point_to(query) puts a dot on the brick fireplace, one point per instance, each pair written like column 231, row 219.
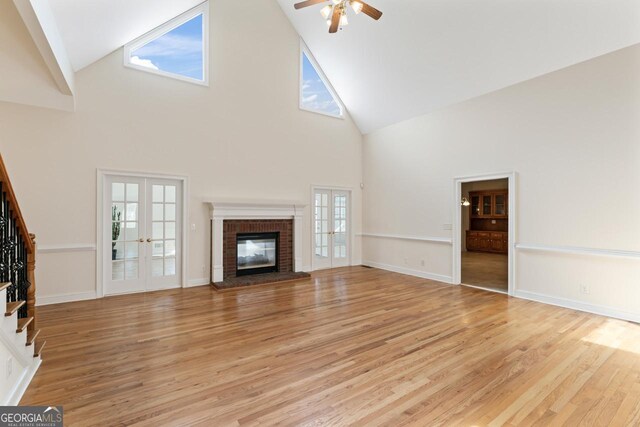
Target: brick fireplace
column 232, row 218
column 233, row 228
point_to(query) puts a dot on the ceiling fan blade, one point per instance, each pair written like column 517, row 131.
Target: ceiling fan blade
column 371, row 11
column 335, row 20
column 307, row 3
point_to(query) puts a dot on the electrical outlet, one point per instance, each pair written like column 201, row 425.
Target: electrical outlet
column 422, row 263
column 193, row 227
column 9, row 366
column 584, row 288
column 406, row 261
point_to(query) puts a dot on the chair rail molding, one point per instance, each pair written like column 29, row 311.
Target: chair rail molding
column 63, row 248
column 575, row 250
column 444, row 240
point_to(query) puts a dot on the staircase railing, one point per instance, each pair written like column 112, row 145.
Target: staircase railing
column 17, row 251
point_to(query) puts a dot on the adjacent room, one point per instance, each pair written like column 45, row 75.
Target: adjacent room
column 485, row 234
column 319, row 212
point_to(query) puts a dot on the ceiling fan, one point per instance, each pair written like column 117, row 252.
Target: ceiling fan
column 336, row 12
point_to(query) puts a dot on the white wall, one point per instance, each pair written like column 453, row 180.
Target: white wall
column 242, row 137
column 573, row 138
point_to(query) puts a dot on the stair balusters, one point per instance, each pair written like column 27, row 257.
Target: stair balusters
column 13, row 254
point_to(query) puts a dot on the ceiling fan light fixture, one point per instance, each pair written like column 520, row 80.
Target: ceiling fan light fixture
column 356, row 6
column 334, row 12
column 326, row 11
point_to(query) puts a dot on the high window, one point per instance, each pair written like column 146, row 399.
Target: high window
column 316, row 94
column 176, row 49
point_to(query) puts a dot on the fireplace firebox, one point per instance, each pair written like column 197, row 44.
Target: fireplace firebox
column 257, row 253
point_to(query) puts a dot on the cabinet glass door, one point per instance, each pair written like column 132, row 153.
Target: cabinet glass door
column 475, row 205
column 500, row 205
column 486, row 205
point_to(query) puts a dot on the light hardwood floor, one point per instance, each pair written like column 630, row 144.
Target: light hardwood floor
column 485, row 270
column 353, row 346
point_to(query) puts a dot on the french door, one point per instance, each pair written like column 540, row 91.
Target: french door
column 331, row 228
column 142, row 234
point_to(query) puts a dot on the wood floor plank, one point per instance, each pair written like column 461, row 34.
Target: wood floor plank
column 351, row 346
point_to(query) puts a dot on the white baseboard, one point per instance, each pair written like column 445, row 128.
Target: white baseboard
column 198, row 282
column 57, row 299
column 409, row 271
column 578, row 305
column 13, row 399
column 306, row 269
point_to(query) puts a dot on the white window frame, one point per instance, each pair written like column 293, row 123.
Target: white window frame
column 201, row 9
column 304, row 50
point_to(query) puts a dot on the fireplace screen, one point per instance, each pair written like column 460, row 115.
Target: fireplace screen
column 257, row 253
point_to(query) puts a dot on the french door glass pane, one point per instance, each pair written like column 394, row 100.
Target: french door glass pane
column 117, row 270
column 132, row 193
column 131, row 232
column 131, row 269
column 157, row 233
column 169, row 266
column 157, row 212
column 158, row 193
column 117, row 192
column 170, row 212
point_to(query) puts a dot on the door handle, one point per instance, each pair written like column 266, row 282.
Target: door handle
column 149, row 240
column 141, row 240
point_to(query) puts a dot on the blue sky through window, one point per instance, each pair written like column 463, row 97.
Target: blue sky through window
column 177, row 52
column 315, row 95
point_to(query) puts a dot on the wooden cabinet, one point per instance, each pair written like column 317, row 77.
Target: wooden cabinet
column 489, row 204
column 485, row 241
column 488, row 221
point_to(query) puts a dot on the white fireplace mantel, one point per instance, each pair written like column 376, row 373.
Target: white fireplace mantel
column 219, row 210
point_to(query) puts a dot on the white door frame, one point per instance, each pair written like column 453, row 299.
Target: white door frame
column 457, row 224
column 349, row 221
column 101, row 182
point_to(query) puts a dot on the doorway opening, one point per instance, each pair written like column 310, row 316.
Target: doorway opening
column 484, row 232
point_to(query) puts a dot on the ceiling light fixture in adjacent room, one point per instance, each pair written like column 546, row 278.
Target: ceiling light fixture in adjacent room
column 336, row 13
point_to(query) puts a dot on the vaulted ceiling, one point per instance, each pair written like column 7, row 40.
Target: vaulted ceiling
column 426, row 54
column 92, row 29
column 421, row 56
